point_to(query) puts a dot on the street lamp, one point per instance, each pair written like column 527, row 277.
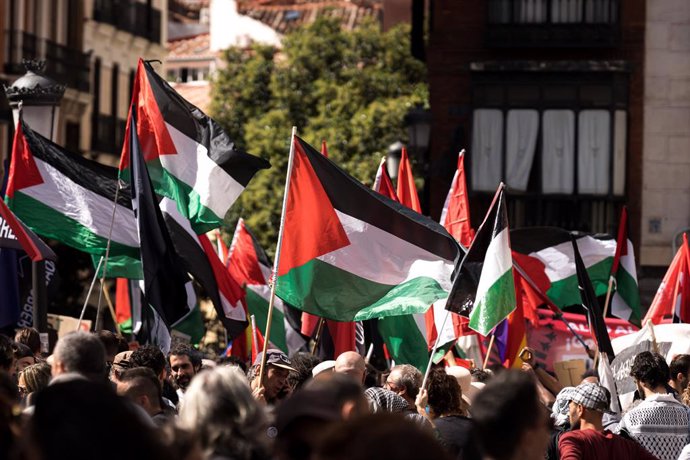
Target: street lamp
column 393, row 158
column 38, row 98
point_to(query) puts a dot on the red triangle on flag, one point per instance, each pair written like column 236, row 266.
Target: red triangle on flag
column 23, row 170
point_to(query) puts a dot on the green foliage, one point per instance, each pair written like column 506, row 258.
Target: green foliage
column 352, row 89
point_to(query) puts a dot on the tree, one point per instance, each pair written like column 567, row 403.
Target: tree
column 351, row 89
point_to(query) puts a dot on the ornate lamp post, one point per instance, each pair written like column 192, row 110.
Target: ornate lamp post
column 37, row 97
column 393, row 159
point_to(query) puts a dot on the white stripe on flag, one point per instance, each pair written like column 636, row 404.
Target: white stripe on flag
column 496, row 263
column 559, row 259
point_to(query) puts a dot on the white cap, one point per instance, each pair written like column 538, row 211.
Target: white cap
column 325, row 366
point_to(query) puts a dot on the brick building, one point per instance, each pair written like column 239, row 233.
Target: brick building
column 580, row 106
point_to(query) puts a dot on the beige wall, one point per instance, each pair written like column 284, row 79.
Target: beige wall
column 666, row 172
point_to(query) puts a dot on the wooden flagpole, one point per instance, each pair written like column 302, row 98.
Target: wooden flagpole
column 317, row 336
column 488, row 350
column 607, row 302
column 433, row 350
column 276, row 262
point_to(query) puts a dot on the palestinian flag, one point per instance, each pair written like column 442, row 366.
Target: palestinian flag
column 349, row 253
column 68, row 198
column 552, row 247
column 190, row 159
column 249, row 265
column 672, row 300
column 625, row 303
column 15, row 235
column 487, row 271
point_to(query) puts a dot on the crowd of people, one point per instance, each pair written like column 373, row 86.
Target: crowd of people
column 94, row 398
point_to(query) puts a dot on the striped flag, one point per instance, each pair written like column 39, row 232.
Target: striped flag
column 625, row 303
column 485, row 288
column 68, row 198
column 351, row 254
column 190, row 159
column 672, row 299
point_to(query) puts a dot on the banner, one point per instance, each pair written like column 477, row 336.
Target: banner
column 552, row 341
column 671, row 340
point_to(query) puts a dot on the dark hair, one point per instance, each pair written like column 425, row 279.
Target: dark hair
column 650, row 368
column 109, row 341
column 340, row 388
column 504, row 409
column 22, row 351
column 377, row 436
column 480, row 375
column 680, row 364
column 303, row 363
column 445, row 394
column 29, row 337
column 233, row 361
column 589, row 373
column 141, row 381
column 6, row 353
column 149, row 356
column 36, row 377
column 84, row 418
column 183, row 349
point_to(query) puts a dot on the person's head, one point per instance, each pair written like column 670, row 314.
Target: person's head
column 141, row 386
column 33, row 378
column 405, row 380
column 152, row 357
column 6, row 354
column 680, row 372
column 480, row 375
column 79, row 352
column 302, row 418
column 508, row 409
column 110, row 344
column 303, row 363
column 378, row 436
column 445, row 395
column 219, row 405
column 29, row 337
column 590, row 376
column 351, row 363
column 23, row 357
column 83, row 418
column 588, row 403
column 650, row 372
column 276, row 373
column 560, row 411
column 185, row 363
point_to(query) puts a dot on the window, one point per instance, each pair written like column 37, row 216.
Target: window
column 552, row 11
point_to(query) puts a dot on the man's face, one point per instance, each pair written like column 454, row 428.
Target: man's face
column 276, row 382
column 393, row 382
column 182, row 370
column 574, row 414
column 23, row 363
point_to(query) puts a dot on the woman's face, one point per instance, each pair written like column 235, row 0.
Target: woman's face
column 23, row 363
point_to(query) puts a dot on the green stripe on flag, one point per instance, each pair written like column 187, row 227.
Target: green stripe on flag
column 120, row 267
column 404, row 341
column 347, row 297
column 627, row 289
column 495, row 305
column 188, row 200
column 192, row 325
column 565, row 292
column 258, row 306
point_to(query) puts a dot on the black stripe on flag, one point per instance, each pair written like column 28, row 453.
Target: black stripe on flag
column 95, row 177
column 533, row 239
column 349, row 196
column 195, row 124
column 462, row 294
column 164, row 278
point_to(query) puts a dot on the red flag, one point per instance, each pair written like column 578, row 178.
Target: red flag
column 455, row 216
column 324, row 149
column 407, row 190
column 257, row 340
column 673, row 296
column 123, row 305
column 221, row 247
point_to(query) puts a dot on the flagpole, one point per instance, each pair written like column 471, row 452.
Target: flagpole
column 317, row 336
column 608, row 296
column 99, row 318
column 433, row 350
column 88, row 294
column 276, row 261
column 488, row 351
column 109, row 301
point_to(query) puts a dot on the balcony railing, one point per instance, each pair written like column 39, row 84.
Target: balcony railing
column 64, row 64
column 130, row 16
column 553, row 23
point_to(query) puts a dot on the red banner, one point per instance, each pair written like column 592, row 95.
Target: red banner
column 552, row 341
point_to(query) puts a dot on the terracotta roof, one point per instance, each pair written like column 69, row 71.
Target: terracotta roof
column 196, row 92
column 285, row 16
column 197, row 47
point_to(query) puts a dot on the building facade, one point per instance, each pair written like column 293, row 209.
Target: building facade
column 92, row 46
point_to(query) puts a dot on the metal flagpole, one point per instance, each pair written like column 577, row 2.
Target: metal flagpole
column 276, row 262
column 86, row 302
column 99, row 317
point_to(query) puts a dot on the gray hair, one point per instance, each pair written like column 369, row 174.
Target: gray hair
column 410, row 378
column 82, row 353
column 219, row 406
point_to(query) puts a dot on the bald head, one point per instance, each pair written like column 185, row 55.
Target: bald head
column 352, row 364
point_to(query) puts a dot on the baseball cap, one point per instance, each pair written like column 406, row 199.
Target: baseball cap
column 123, row 360
column 276, row 358
column 592, row 396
